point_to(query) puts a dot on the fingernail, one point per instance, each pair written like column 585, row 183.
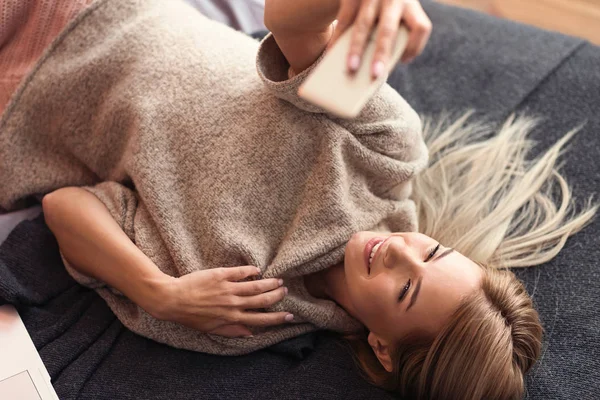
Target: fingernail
column 289, row 317
column 353, row 62
column 378, row 69
column 258, row 270
column 280, row 282
column 249, row 336
column 285, row 290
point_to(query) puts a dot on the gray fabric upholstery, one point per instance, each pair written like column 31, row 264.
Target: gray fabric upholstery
column 8, row 221
column 243, row 15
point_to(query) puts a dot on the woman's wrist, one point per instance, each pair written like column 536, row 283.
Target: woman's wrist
column 301, row 28
column 287, row 17
column 302, row 50
column 152, row 293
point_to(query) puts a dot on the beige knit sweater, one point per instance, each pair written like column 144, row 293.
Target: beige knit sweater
column 196, row 141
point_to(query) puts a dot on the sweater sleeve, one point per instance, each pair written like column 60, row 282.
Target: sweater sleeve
column 387, row 124
column 122, row 204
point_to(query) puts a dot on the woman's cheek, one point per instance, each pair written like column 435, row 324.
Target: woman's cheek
column 374, row 295
column 361, row 292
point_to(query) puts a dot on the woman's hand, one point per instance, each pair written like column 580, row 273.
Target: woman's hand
column 214, row 301
column 364, row 14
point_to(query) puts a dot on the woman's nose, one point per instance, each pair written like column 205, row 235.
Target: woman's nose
column 399, row 254
column 395, row 251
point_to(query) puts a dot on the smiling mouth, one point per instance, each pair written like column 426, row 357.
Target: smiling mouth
column 367, row 251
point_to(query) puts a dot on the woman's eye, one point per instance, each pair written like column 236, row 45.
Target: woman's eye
column 432, row 252
column 404, row 291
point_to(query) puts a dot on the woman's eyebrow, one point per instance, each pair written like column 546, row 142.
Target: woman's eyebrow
column 413, row 298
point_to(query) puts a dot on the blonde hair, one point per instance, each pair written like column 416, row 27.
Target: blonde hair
column 482, row 196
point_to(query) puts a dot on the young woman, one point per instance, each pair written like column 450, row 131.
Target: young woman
column 216, row 211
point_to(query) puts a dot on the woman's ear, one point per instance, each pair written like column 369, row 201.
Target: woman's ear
column 382, row 350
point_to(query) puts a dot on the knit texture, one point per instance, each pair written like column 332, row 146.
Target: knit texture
column 27, row 27
column 204, row 162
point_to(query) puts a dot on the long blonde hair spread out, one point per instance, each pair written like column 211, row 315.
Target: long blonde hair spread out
column 484, row 197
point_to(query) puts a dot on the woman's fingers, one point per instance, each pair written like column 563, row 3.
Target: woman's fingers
column 264, row 319
column 361, row 31
column 263, row 300
column 389, row 22
column 362, row 14
column 419, row 26
column 256, row 287
column 238, row 273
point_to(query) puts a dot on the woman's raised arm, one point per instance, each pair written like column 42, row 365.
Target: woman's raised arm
column 304, row 28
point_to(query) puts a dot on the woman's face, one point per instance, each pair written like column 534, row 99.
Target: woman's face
column 413, row 283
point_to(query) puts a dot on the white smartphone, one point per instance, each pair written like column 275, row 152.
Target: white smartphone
column 331, row 87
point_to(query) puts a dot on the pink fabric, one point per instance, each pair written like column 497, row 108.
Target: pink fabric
column 27, row 27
